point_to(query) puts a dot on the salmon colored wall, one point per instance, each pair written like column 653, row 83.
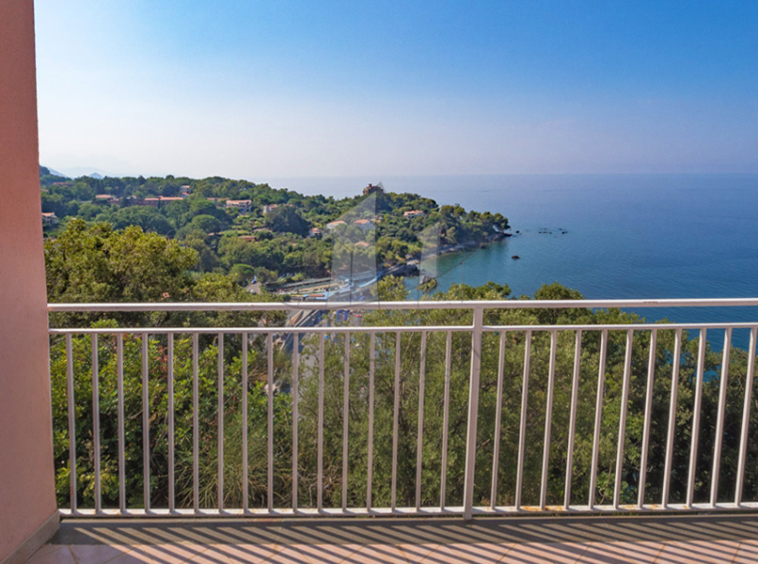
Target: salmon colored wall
column 27, row 495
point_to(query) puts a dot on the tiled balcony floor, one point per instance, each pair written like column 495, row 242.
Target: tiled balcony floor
column 662, row 539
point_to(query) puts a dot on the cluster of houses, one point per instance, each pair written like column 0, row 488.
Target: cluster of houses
column 366, row 224
column 156, row 202
column 243, row 206
column 246, row 206
column 363, row 224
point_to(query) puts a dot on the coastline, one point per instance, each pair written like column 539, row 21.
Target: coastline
column 403, row 270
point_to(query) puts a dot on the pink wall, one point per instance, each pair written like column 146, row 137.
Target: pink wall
column 27, row 495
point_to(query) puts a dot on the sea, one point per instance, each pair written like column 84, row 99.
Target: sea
column 606, row 235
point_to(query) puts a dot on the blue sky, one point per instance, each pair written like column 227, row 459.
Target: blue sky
column 262, row 89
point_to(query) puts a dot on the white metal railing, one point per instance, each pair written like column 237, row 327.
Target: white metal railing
column 522, row 367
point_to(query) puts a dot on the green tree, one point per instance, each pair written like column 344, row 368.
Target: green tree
column 99, row 264
column 286, row 219
column 205, row 223
column 145, row 217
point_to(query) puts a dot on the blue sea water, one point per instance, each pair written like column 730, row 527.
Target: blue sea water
column 627, row 236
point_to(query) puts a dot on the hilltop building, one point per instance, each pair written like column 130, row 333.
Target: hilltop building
column 414, row 213
column 364, row 224
column 106, row 199
column 371, row 188
column 244, row 206
column 334, row 224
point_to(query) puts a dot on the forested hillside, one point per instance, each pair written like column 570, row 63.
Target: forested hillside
column 249, row 230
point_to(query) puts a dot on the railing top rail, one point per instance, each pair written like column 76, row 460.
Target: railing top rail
column 402, row 328
column 404, row 305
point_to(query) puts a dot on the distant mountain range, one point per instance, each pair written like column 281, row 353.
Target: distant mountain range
column 47, row 170
column 50, row 171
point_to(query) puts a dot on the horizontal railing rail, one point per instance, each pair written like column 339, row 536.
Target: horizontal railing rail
column 405, row 305
column 427, row 408
column 404, row 329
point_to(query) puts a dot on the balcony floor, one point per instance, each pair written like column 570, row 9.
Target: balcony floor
column 669, row 539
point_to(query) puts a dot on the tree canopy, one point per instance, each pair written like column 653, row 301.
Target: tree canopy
column 446, row 374
column 97, row 263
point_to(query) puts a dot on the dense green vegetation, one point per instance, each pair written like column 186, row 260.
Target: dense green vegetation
column 165, row 255
column 270, row 243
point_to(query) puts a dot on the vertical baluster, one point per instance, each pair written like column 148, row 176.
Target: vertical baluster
column 270, row 481
column 648, row 414
column 572, row 419
column 121, row 438
column 395, row 420
column 548, row 418
column 171, row 423
column 498, row 420
column 245, row 424
column 473, row 414
column 420, row 430
column 145, row 424
column 522, row 420
column 370, row 461
column 622, row 417
column 671, row 432
column 720, row 417
column 598, row 416
column 445, row 417
column 696, row 418
column 220, row 416
column 71, row 421
column 320, row 456
column 295, row 415
column 745, row 418
column 96, row 422
column 196, row 422
column 345, row 408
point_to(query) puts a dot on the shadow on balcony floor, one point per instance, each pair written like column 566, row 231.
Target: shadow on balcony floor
column 665, row 539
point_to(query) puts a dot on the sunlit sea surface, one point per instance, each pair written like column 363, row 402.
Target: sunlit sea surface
column 626, row 236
